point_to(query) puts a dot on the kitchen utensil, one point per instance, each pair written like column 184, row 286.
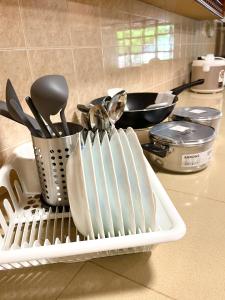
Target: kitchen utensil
column 134, row 182
column 83, row 108
column 147, row 195
column 11, row 94
column 49, row 94
column 4, row 112
column 180, row 146
column 106, row 101
column 212, row 69
column 17, row 113
column 198, row 114
column 138, row 117
column 98, row 117
column 37, row 116
column 116, row 105
column 51, row 158
column 77, row 193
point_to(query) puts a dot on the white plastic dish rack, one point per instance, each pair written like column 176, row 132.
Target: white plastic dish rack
column 33, row 234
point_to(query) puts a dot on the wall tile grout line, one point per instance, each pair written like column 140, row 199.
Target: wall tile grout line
column 72, row 52
column 131, row 280
column 25, row 39
column 101, row 35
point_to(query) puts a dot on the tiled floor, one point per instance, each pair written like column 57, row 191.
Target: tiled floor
column 192, row 268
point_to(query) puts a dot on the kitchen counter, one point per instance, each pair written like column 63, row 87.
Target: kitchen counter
column 191, row 268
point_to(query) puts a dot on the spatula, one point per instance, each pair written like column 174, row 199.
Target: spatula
column 18, row 114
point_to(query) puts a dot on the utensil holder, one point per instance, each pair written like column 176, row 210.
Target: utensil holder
column 51, row 155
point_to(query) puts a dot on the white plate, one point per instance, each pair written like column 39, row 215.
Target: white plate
column 123, row 184
column 90, row 183
column 77, row 192
column 144, row 179
column 101, row 187
column 112, row 186
column 134, row 182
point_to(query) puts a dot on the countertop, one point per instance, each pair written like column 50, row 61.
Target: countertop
column 191, row 268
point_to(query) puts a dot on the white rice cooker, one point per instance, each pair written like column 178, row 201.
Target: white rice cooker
column 211, row 69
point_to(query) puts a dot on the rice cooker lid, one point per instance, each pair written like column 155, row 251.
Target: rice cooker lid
column 210, row 60
column 197, row 113
column 182, row 133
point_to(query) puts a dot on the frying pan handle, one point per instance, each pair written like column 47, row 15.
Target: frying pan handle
column 157, row 150
column 178, row 90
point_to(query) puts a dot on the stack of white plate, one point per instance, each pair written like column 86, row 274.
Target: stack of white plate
column 109, row 187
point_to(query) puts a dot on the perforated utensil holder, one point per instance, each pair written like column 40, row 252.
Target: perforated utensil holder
column 51, row 155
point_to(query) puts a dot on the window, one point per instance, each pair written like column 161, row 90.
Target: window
column 145, row 41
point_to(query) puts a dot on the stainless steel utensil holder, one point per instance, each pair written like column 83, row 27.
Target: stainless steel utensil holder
column 51, row 156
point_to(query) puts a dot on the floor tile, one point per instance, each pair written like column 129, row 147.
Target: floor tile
column 192, row 268
column 44, row 282
column 93, row 282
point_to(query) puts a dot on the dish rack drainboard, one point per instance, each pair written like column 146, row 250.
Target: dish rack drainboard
column 34, row 234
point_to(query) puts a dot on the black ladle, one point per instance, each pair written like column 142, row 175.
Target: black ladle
column 50, row 94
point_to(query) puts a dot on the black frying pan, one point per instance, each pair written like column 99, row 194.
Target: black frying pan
column 137, row 116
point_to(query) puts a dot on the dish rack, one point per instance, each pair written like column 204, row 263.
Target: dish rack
column 33, row 233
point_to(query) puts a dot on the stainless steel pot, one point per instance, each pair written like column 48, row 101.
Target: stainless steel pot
column 198, row 114
column 180, row 146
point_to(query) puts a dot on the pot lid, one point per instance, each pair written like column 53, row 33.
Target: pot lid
column 197, row 113
column 182, row 133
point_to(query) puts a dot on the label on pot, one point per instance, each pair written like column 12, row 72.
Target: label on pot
column 179, row 128
column 196, row 159
column 197, row 111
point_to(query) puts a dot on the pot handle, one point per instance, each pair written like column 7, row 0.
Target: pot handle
column 157, row 150
column 178, row 90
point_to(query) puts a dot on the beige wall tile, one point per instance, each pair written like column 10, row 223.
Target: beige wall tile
column 14, row 65
column 93, row 282
column 89, row 72
column 57, row 61
column 84, row 20
column 45, row 23
column 114, row 75
column 113, row 22
column 12, row 133
column 11, row 34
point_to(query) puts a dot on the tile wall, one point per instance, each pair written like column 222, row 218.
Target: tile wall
column 96, row 45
